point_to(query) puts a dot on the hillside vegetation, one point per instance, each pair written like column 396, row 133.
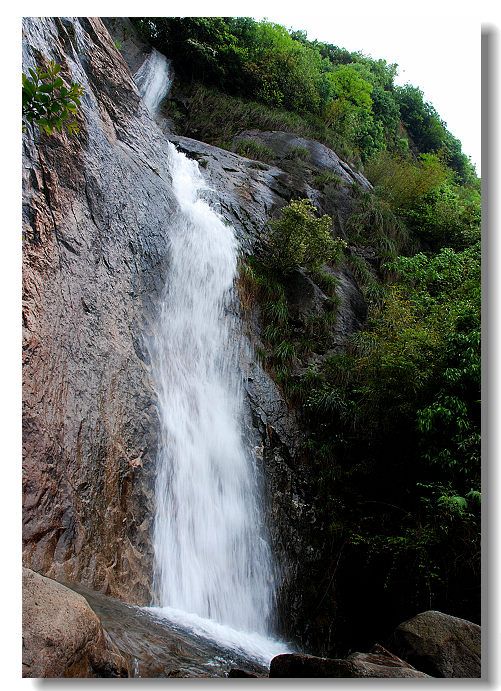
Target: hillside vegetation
column 393, row 422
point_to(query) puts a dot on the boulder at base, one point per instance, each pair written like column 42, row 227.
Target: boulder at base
column 377, row 663
column 62, row 636
column 439, row 644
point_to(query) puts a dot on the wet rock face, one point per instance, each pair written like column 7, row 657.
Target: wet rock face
column 94, row 263
column 153, row 647
column 132, row 48
column 62, row 636
column 244, row 192
column 95, row 260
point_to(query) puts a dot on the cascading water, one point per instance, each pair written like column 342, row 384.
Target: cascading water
column 153, row 80
column 211, row 558
column 213, row 569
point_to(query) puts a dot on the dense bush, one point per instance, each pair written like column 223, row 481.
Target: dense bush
column 396, row 436
column 436, row 209
column 353, row 95
column 297, row 238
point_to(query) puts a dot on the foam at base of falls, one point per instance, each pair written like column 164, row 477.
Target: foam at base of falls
column 247, row 644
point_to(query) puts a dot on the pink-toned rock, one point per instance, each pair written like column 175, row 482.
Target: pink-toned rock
column 94, row 253
column 62, row 636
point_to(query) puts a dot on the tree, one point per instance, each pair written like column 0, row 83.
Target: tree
column 349, row 91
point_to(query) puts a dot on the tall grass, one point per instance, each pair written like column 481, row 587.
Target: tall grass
column 216, row 118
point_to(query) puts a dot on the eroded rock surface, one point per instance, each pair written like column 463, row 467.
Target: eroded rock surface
column 62, row 636
column 94, row 262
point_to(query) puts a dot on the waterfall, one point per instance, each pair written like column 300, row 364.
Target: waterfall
column 153, row 80
column 212, row 559
column 211, row 556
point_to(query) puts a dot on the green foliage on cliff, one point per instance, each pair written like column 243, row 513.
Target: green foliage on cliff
column 428, row 197
column 396, row 436
column 393, row 422
column 352, row 95
column 297, row 238
column 47, row 102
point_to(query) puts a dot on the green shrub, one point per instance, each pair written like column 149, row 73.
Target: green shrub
column 251, row 149
column 300, row 239
column 47, row 102
column 375, row 223
column 285, row 352
column 298, row 153
column 405, row 183
column 325, row 179
column 326, row 281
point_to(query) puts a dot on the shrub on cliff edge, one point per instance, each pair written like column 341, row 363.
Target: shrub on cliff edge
column 297, row 238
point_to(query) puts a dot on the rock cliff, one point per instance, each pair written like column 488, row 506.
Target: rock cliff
column 94, row 246
column 95, row 260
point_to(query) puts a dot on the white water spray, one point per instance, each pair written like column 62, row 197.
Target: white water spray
column 212, row 559
column 153, row 80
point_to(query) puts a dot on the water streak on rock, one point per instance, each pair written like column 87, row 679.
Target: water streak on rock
column 153, row 79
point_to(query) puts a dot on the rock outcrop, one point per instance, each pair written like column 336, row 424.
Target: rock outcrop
column 94, row 262
column 439, row 644
column 62, row 636
column 288, row 147
column 378, row 663
column 431, row 644
column 301, row 162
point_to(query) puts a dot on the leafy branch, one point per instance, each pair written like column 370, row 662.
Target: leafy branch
column 47, row 102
